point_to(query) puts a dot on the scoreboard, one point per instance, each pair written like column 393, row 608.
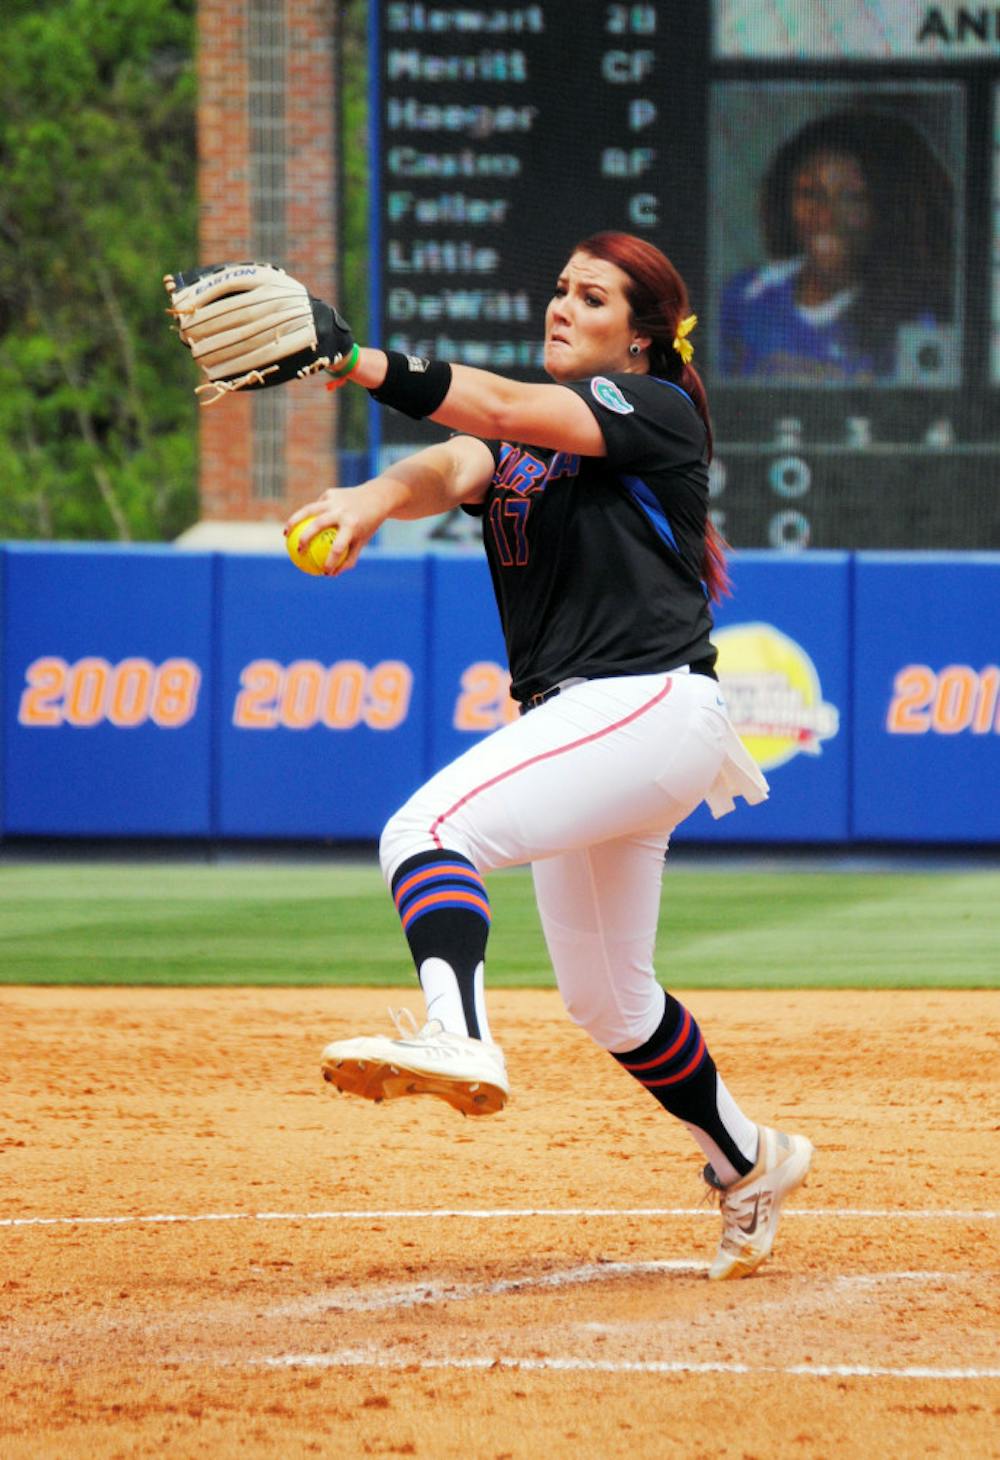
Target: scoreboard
column 502, row 134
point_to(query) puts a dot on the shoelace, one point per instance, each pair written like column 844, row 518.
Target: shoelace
column 714, row 1195
column 731, row 1207
column 406, row 1025
column 408, row 1029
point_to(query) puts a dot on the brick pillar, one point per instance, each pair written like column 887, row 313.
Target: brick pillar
column 229, row 228
column 311, row 230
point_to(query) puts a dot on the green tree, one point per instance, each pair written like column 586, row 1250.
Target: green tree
column 97, row 149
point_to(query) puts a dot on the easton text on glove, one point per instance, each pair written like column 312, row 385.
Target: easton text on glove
column 251, row 325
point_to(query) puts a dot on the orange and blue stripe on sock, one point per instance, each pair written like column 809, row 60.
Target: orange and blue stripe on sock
column 674, row 1065
column 440, row 882
column 445, row 913
column 679, row 1056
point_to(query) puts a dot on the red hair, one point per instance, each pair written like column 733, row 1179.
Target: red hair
column 658, row 299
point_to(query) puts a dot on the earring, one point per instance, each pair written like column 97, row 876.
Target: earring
column 633, row 349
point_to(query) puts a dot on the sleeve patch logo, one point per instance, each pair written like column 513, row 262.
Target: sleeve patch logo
column 607, row 392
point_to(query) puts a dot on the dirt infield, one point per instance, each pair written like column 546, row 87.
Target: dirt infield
column 207, row 1253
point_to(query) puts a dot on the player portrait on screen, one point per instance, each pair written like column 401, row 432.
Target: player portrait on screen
column 856, row 213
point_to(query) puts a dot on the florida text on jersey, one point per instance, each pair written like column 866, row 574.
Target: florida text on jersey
column 585, row 588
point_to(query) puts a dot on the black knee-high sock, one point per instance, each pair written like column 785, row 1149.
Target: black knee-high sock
column 674, row 1065
column 445, row 913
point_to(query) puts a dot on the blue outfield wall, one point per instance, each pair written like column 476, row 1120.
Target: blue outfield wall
column 108, row 682
column 324, row 691
column 926, row 694
column 152, row 693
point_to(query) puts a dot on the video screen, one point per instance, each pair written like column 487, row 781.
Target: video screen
column 836, row 235
column 843, row 30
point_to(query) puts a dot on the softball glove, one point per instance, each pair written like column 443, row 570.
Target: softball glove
column 252, row 325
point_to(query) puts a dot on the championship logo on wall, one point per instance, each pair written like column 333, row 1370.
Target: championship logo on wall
column 773, row 694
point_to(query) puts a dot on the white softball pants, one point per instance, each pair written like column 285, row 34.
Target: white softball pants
column 587, row 787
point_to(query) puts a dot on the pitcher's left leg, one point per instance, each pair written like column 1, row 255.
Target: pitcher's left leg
column 599, row 911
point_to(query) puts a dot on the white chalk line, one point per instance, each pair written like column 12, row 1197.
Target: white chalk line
column 372, row 1359
column 427, row 1294
column 885, row 1214
column 415, row 1295
column 878, row 1279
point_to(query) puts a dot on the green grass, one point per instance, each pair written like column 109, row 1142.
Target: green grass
column 332, row 923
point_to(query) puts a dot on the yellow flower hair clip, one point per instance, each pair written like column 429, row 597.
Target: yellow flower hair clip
column 682, row 344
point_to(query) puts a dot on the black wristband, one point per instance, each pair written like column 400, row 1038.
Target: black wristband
column 412, row 385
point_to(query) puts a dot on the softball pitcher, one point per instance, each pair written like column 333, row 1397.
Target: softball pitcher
column 593, row 494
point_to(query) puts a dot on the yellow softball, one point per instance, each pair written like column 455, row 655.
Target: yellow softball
column 314, row 558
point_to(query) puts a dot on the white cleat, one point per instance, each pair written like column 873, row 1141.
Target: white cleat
column 468, row 1073
column 750, row 1206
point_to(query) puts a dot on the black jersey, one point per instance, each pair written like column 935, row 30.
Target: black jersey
column 596, row 561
